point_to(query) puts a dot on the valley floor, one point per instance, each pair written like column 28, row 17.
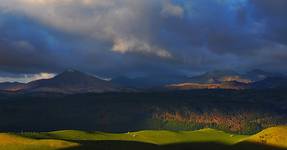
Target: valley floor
column 272, row 138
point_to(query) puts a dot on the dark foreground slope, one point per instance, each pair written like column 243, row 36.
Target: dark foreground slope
column 245, row 112
column 124, row 145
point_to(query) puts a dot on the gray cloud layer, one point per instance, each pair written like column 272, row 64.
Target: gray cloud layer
column 127, row 36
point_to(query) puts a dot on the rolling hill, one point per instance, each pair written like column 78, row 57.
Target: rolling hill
column 16, row 142
column 273, row 139
column 275, row 136
column 158, row 137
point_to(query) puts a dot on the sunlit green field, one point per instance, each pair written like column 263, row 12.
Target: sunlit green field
column 73, row 140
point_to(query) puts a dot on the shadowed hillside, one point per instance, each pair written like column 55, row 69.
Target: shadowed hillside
column 244, row 112
column 125, row 145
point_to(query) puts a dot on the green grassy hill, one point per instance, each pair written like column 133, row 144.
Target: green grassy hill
column 153, row 137
column 273, row 138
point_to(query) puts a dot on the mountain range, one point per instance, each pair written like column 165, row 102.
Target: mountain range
column 73, row 81
column 150, row 81
column 229, row 79
column 219, row 76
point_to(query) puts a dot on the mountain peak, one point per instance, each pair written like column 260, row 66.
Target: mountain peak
column 70, row 73
column 71, row 70
column 71, row 81
column 222, row 72
column 257, row 71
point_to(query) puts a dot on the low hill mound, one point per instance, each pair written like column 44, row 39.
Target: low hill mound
column 161, row 137
column 275, row 136
column 269, row 139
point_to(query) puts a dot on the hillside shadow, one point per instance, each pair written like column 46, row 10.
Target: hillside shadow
column 129, row 145
column 113, row 145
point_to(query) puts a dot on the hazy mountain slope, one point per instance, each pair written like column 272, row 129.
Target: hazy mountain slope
column 218, row 76
column 150, row 81
column 257, row 75
column 271, row 82
column 71, row 81
column 228, row 79
column 10, row 85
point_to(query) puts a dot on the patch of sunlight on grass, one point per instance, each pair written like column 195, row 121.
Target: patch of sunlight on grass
column 15, row 142
column 275, row 136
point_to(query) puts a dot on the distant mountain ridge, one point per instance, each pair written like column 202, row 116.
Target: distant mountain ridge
column 271, row 83
column 232, row 85
column 149, row 81
column 73, row 81
column 9, row 85
column 219, row 76
column 229, row 79
column 70, row 81
column 216, row 76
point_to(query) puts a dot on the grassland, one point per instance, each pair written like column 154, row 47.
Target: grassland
column 153, row 137
column 276, row 136
column 16, row 142
column 272, row 138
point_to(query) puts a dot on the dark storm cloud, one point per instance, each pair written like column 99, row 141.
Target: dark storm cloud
column 23, row 45
column 221, row 26
column 115, row 37
column 273, row 14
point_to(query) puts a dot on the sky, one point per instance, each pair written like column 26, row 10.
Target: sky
column 39, row 38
